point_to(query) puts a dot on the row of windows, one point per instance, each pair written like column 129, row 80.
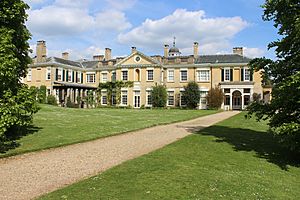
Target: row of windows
column 201, row 75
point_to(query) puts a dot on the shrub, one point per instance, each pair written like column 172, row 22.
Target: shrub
column 159, row 96
column 42, row 94
column 215, row 97
column 51, row 100
column 191, row 95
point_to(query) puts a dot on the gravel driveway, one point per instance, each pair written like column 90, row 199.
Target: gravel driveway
column 30, row 175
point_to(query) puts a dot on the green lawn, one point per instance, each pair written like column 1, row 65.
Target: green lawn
column 235, row 159
column 56, row 126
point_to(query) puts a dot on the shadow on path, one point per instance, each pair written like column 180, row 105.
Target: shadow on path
column 14, row 135
column 262, row 143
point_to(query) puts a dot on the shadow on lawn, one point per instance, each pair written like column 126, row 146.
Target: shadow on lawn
column 263, row 143
column 14, row 135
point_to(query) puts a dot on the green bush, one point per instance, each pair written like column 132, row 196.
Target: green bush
column 215, row 98
column 159, row 96
column 42, row 94
column 51, row 100
column 191, row 95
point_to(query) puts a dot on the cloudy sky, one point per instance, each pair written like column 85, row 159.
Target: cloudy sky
column 86, row 27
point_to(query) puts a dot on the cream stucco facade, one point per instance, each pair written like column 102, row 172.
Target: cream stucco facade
column 65, row 78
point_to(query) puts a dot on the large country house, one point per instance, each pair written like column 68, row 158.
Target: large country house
column 65, row 78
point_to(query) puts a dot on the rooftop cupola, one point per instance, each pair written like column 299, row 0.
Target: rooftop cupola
column 174, row 51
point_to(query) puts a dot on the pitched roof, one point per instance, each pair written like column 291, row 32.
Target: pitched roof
column 228, row 58
column 66, row 62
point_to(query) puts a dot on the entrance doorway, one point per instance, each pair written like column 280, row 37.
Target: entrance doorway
column 236, row 100
column 137, row 99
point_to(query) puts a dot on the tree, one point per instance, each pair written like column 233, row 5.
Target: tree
column 42, row 94
column 191, row 95
column 17, row 102
column 215, row 97
column 283, row 111
column 159, row 96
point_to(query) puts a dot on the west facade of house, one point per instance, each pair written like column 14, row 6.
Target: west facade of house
column 72, row 79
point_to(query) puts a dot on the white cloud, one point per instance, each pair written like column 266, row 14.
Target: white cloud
column 53, row 20
column 253, row 52
column 73, row 17
column 112, row 20
column 213, row 34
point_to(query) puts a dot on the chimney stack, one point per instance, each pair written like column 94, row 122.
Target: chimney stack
column 166, row 50
column 107, row 54
column 65, row 55
column 133, row 49
column 41, row 51
column 196, row 49
column 238, row 51
column 98, row 57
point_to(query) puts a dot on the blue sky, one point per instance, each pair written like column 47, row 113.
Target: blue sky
column 86, row 27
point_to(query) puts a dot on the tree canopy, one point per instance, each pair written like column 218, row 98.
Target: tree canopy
column 191, row 95
column 283, row 112
column 17, row 102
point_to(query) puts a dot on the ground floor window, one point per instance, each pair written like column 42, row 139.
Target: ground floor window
column 246, row 100
column 182, row 100
column 104, row 98
column 124, row 98
column 113, row 99
column 149, row 98
column 171, row 98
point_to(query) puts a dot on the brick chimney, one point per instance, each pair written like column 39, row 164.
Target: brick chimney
column 196, row 49
column 166, row 50
column 41, row 51
column 133, row 49
column 65, row 55
column 107, row 54
column 98, row 57
column 238, row 51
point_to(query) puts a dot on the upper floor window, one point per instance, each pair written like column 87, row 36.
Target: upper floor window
column 90, row 78
column 59, row 74
column 70, row 75
column 48, row 73
column 247, row 74
column 150, row 75
column 113, row 76
column 104, row 77
column 183, row 75
column 125, row 75
column 203, row 75
column 29, row 74
column 170, row 75
column 227, row 74
column 78, row 78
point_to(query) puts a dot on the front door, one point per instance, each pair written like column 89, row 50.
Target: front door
column 137, row 99
column 236, row 100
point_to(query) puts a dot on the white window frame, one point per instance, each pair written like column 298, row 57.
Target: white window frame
column 103, row 94
column 59, row 74
column 225, row 70
column 104, row 77
column 187, row 76
column 169, row 75
column 122, row 75
column 88, row 74
column 78, row 78
column 124, row 93
column 205, row 78
column 148, row 74
column 29, row 74
column 148, row 92
column 248, row 70
column 48, row 73
column 70, row 74
column 113, row 76
column 173, row 98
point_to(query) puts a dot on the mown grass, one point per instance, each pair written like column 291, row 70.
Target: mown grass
column 56, row 126
column 235, row 159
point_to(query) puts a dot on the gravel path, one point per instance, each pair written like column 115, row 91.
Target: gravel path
column 30, row 175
